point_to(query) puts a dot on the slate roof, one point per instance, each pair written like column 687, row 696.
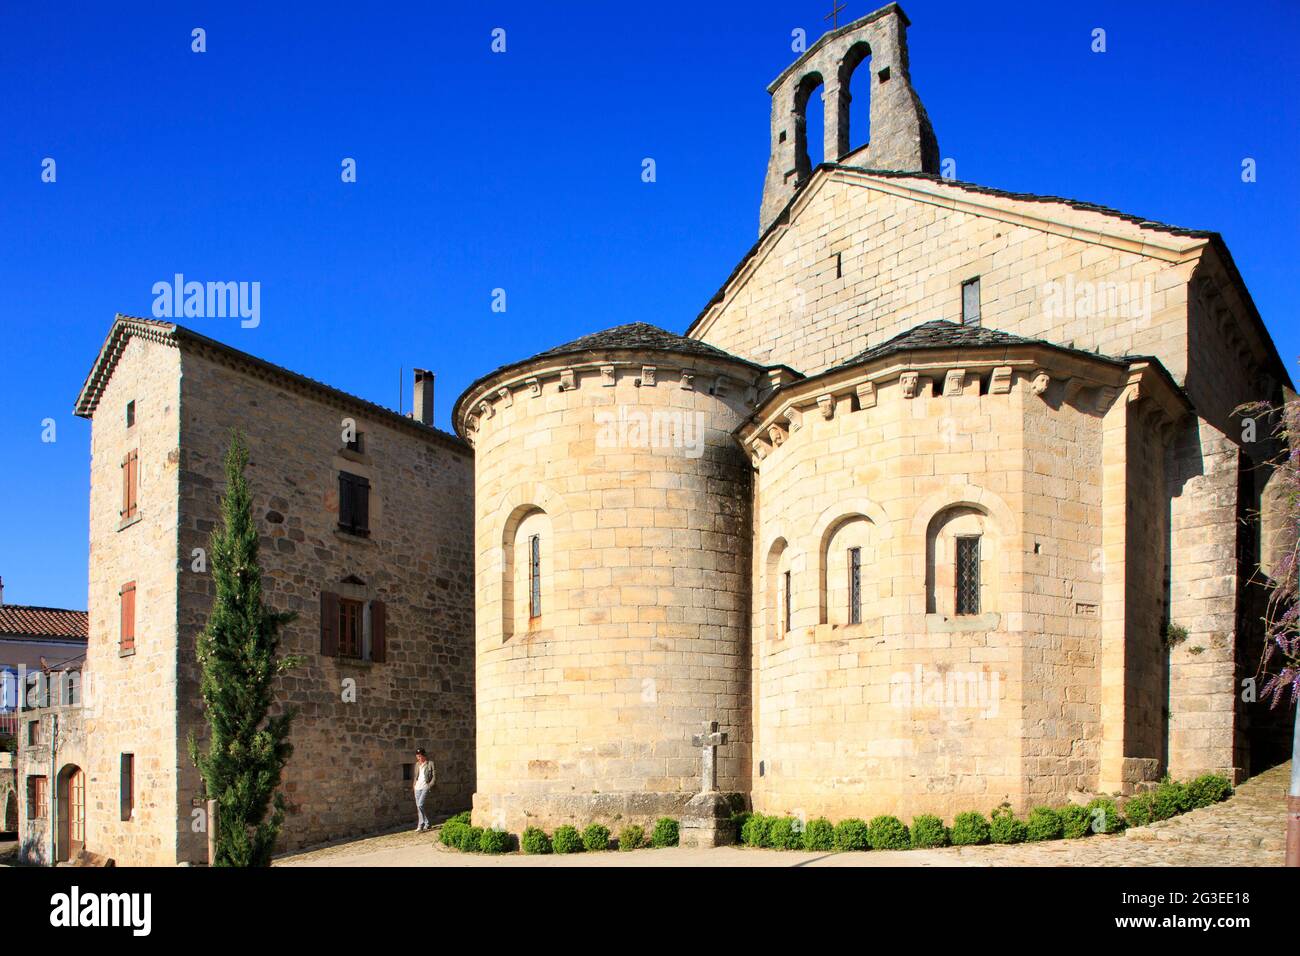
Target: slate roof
column 633, row 336
column 639, row 335
column 21, row 620
column 942, row 334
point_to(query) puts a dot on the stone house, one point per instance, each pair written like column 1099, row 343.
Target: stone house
column 366, row 522
column 940, row 502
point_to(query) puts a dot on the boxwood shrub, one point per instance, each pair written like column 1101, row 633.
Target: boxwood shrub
column 1104, row 816
column 631, row 838
column 1140, row 810
column 462, row 817
column 927, row 832
column 785, row 834
column 888, row 833
column 1207, row 789
column 970, row 829
column 1044, row 823
column 1005, row 827
column 452, row 833
column 471, row 840
column 851, row 834
column 1074, row 822
column 1171, row 798
column 755, row 830
column 535, row 841
column 819, row 835
column 494, row 841
column 665, row 833
column 595, row 838
column 566, row 840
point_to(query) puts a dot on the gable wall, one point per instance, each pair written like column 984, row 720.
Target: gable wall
column 903, row 263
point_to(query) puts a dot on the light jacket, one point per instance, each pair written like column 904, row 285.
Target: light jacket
column 425, row 775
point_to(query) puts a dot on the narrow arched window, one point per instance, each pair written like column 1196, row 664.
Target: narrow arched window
column 855, row 585
column 967, row 574
column 535, row 576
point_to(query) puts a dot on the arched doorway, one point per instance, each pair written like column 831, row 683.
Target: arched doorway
column 71, row 833
column 11, row 813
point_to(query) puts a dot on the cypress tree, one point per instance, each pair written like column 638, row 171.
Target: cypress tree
column 247, row 745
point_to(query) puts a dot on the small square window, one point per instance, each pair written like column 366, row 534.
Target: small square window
column 358, row 443
column 130, row 413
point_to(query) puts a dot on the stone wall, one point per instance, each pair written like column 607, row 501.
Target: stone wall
column 131, row 696
column 346, row 776
column 586, row 709
column 71, row 751
column 914, row 709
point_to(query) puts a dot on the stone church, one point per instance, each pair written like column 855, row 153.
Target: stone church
column 940, row 502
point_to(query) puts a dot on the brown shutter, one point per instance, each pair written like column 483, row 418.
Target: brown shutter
column 127, row 636
column 126, row 487
column 329, row 624
column 361, row 512
column 378, row 621
column 345, row 500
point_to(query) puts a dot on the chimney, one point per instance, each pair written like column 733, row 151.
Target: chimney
column 422, row 406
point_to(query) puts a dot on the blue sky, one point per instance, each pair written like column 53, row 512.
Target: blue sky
column 522, row 171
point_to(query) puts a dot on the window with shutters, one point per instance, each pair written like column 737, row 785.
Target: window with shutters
column 126, row 633
column 37, row 797
column 127, row 785
column 352, row 628
column 535, row 576
column 968, row 575
column 351, row 614
column 130, row 486
column 354, row 503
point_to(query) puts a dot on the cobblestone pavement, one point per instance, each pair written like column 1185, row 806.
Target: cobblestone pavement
column 1247, row 830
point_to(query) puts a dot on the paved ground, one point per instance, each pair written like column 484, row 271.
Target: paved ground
column 1247, row 830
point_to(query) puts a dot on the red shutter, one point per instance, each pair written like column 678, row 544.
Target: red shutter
column 329, row 624
column 378, row 621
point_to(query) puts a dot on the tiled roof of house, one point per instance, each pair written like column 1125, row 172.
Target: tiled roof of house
column 21, row 620
column 169, row 333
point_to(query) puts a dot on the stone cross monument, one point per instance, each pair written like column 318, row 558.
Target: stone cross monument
column 706, row 820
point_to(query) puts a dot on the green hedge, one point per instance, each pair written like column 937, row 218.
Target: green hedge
column 567, row 840
column 595, row 838
column 851, row 834
column 535, row 841
column 631, row 838
column 786, row 833
column 927, row 832
column 755, row 830
column 471, row 840
column 819, row 835
column 1044, row 823
column 970, row 829
column 1075, row 821
column 1208, row 788
column 1005, row 827
column 888, row 833
column 665, row 833
column 494, row 841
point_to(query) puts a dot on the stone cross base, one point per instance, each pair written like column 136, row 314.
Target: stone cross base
column 706, row 821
